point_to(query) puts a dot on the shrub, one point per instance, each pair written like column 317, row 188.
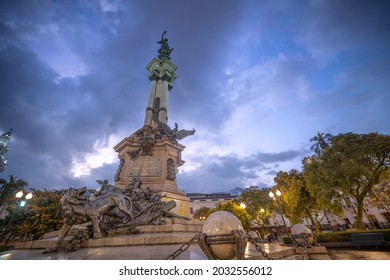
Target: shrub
column 345, row 236
column 287, row 240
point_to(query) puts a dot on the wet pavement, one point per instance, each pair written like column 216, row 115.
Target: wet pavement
column 141, row 252
column 157, row 252
column 161, row 252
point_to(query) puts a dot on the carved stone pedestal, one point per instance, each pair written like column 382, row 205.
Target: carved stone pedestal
column 153, row 158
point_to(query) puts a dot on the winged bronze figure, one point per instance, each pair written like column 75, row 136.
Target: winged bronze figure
column 174, row 134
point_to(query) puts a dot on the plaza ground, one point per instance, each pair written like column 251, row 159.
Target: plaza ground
column 160, row 252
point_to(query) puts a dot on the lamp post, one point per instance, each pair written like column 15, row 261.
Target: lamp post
column 278, row 194
column 263, row 225
column 19, row 196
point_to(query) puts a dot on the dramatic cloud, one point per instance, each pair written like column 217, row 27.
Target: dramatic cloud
column 257, row 79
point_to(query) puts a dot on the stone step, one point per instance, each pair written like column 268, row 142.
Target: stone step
column 125, row 240
column 141, row 239
column 274, row 251
column 314, row 253
column 319, row 257
column 312, row 250
column 293, row 257
column 172, row 225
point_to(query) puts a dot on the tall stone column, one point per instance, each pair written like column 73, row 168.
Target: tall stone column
column 161, row 74
column 153, row 153
column 149, row 107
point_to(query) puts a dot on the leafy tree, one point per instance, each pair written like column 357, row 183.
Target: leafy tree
column 352, row 165
column 38, row 216
column 9, row 188
column 321, row 142
column 258, row 205
column 296, row 202
column 202, row 212
column 242, row 215
column 381, row 194
column 256, row 199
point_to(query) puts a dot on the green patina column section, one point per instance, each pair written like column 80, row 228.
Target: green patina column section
column 161, row 75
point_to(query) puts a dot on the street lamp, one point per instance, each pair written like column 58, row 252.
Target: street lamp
column 272, row 195
column 18, row 195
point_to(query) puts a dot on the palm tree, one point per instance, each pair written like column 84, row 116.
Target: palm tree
column 321, row 142
column 9, row 189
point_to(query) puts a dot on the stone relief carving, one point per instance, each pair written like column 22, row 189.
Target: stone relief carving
column 119, row 170
column 147, row 142
column 146, row 137
column 134, row 153
column 94, row 214
column 171, row 168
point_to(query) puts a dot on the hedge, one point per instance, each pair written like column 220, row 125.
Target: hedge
column 345, row 236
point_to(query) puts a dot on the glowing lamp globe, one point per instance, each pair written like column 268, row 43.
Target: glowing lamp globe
column 222, row 223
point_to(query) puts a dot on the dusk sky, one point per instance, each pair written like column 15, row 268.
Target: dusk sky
column 257, row 80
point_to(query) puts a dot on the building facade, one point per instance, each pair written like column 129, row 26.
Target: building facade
column 199, row 200
column 374, row 216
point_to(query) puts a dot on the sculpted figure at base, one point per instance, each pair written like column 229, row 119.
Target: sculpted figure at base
column 110, row 208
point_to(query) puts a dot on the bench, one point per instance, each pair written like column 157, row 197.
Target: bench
column 368, row 239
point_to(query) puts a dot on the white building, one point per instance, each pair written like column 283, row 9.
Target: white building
column 374, row 216
column 199, row 200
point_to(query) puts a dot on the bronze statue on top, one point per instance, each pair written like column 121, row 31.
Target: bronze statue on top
column 164, row 51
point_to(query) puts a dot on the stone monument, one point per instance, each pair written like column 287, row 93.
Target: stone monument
column 152, row 154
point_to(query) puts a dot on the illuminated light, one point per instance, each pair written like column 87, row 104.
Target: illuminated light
column 242, row 205
column 29, row 196
column 22, row 203
column 19, row 194
column 271, row 194
column 278, row 193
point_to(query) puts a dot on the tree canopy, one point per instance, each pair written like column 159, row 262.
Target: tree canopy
column 256, row 199
column 38, row 216
column 258, row 204
column 321, row 142
column 9, row 188
column 202, row 213
column 296, row 202
column 351, row 166
column 237, row 211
